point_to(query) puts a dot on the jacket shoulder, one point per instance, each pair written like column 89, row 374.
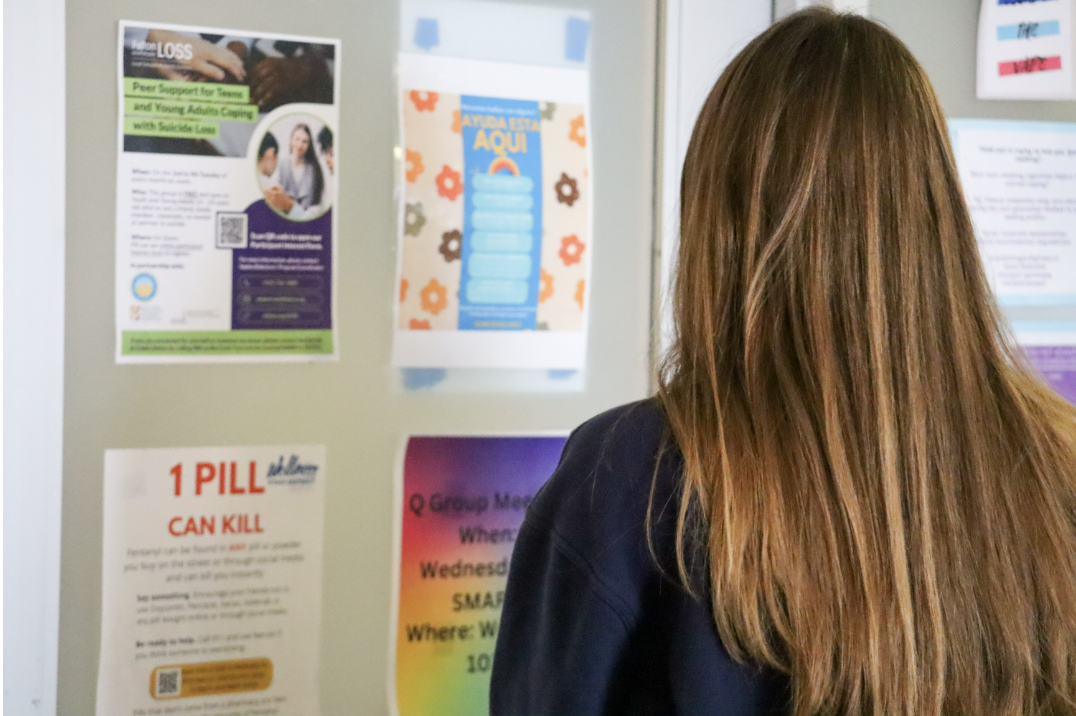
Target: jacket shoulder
column 614, row 466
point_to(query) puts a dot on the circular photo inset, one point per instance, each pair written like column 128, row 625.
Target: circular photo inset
column 296, row 167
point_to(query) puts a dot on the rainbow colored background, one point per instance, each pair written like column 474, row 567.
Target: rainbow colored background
column 432, row 678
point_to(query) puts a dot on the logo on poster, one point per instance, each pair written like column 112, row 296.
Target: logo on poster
column 144, row 287
column 292, row 472
column 163, row 50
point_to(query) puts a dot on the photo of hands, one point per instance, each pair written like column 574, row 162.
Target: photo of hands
column 273, row 73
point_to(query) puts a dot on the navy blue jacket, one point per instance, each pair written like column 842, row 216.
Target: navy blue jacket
column 593, row 622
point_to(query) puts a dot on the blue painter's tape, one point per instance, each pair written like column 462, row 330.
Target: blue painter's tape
column 418, row 378
column 517, row 266
column 427, row 34
column 560, row 374
column 1019, row 2
column 1028, row 30
column 576, row 36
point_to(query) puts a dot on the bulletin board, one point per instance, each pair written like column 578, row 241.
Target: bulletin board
column 357, row 407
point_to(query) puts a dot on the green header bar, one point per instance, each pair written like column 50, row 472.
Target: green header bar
column 178, row 109
column 181, row 89
column 204, row 343
column 184, row 128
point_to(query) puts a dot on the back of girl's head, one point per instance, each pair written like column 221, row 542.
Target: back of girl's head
column 886, row 490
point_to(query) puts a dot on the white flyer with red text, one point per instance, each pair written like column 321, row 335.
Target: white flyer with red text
column 211, row 581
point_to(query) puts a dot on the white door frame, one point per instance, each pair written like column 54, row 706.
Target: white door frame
column 697, row 39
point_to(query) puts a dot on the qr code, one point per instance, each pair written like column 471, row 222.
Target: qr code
column 169, row 682
column 231, row 230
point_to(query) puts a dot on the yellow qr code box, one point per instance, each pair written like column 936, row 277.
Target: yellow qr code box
column 211, row 677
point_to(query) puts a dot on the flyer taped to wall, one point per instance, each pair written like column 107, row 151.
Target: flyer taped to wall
column 460, row 502
column 226, row 184
column 1019, row 179
column 1026, row 50
column 495, row 228
column 211, row 581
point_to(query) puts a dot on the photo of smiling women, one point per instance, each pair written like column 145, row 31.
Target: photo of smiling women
column 295, row 170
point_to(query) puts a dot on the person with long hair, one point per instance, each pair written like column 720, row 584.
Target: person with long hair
column 301, row 177
column 851, row 494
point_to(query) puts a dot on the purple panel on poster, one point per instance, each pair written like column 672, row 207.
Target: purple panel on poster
column 1058, row 365
column 283, row 279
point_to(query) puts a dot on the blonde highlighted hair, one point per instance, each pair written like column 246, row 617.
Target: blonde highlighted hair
column 886, row 492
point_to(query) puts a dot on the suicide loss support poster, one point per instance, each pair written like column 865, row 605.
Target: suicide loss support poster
column 1019, row 180
column 495, row 233
column 226, row 182
column 460, row 502
column 211, row 582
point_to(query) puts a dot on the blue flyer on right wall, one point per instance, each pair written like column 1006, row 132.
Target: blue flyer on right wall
column 1019, row 181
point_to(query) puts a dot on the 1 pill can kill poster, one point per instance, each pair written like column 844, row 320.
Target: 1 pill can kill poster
column 211, row 581
column 226, row 189
column 460, row 502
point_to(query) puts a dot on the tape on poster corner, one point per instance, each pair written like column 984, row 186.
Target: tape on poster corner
column 427, row 33
column 576, row 37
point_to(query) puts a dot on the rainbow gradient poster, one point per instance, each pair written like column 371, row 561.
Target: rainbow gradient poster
column 460, row 502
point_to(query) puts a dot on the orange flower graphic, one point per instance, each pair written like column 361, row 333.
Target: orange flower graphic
column 414, row 166
column 420, row 325
column 546, row 290
column 580, row 288
column 571, row 250
column 403, row 289
column 424, row 101
column 578, row 134
column 456, row 121
column 449, row 183
column 434, row 297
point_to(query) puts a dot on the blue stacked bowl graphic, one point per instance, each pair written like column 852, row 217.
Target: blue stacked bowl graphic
column 502, row 219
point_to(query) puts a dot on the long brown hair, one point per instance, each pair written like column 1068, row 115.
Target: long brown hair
column 885, row 490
